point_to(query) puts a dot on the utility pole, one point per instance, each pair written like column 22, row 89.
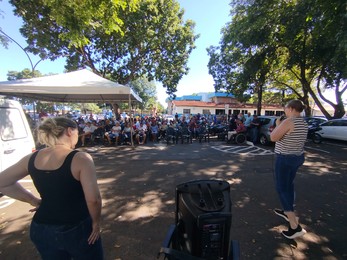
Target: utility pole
column 33, row 66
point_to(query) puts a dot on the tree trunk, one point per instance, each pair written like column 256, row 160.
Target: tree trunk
column 260, row 98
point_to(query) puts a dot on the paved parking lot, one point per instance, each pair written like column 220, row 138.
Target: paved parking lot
column 243, row 149
column 138, row 189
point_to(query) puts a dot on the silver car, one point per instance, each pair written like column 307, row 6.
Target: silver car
column 267, row 124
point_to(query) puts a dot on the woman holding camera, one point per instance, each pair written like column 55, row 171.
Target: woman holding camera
column 290, row 136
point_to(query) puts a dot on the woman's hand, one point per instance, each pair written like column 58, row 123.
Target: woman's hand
column 95, row 234
column 279, row 120
column 36, row 203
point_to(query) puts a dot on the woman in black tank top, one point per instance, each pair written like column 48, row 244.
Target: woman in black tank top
column 66, row 223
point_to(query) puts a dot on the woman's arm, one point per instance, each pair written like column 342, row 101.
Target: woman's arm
column 9, row 183
column 83, row 163
column 282, row 127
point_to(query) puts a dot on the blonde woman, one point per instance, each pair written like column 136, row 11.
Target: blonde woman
column 66, row 223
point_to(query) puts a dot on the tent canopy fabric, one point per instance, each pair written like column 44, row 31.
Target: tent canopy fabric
column 79, row 86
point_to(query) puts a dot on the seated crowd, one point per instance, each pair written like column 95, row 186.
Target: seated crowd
column 118, row 132
column 153, row 129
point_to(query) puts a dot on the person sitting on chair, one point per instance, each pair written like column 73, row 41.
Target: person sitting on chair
column 141, row 130
column 126, row 133
column 240, row 127
column 87, row 132
column 115, row 133
column 154, row 131
column 162, row 130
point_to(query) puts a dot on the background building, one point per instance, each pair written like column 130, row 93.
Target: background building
column 217, row 104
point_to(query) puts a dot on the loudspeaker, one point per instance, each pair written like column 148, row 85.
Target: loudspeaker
column 203, row 219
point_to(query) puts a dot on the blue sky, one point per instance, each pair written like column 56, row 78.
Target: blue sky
column 209, row 15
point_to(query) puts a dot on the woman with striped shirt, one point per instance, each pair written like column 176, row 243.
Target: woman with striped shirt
column 290, row 136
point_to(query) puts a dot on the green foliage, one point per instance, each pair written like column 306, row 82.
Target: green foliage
column 146, row 90
column 90, row 107
column 3, row 40
column 296, row 46
column 24, row 74
column 151, row 40
column 76, row 17
column 160, row 108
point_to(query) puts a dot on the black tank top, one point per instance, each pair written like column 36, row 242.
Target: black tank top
column 63, row 200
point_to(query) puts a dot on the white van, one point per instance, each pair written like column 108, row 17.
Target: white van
column 16, row 139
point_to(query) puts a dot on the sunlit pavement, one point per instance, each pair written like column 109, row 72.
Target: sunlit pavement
column 138, row 189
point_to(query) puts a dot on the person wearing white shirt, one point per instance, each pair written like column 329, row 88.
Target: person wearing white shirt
column 141, row 133
column 115, row 132
column 88, row 130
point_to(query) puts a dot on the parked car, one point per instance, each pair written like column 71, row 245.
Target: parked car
column 313, row 125
column 268, row 123
column 169, row 118
column 333, row 129
column 314, row 121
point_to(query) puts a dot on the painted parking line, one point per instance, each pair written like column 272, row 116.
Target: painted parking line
column 6, row 201
column 316, row 149
column 242, row 150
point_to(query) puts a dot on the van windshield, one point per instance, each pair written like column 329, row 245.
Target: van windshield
column 12, row 125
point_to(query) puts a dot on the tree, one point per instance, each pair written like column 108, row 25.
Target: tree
column 146, row 90
column 241, row 63
column 90, row 108
column 152, row 40
column 300, row 41
column 76, row 17
column 24, row 74
column 160, row 108
column 3, row 39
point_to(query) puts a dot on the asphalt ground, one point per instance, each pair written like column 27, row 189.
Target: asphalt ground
column 138, row 190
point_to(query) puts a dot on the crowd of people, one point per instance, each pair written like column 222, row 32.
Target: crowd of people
column 111, row 131
column 142, row 129
column 125, row 130
column 66, row 225
column 248, row 124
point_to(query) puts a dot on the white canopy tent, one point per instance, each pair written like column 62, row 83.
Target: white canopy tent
column 81, row 86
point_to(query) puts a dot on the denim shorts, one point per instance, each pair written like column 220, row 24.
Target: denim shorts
column 62, row 242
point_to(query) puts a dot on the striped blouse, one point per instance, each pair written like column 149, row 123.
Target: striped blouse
column 293, row 143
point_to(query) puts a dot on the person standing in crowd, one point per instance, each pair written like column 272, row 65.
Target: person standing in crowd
column 254, row 129
column 290, row 136
column 66, row 223
column 241, row 117
column 248, row 120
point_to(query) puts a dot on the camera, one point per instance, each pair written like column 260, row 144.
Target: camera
column 282, row 118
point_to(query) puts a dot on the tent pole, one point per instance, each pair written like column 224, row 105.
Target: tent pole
column 131, row 123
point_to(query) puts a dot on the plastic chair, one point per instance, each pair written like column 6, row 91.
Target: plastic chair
column 171, row 135
column 185, row 134
column 203, row 134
